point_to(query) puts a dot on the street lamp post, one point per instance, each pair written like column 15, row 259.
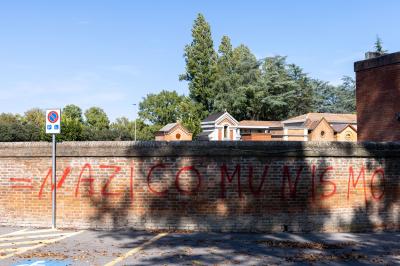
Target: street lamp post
column 135, row 119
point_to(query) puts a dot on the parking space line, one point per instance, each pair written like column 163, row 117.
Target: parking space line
column 38, row 231
column 22, row 243
column 12, row 238
column 14, row 233
column 41, row 244
column 135, row 250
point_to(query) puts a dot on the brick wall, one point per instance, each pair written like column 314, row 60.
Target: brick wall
column 378, row 94
column 221, row 186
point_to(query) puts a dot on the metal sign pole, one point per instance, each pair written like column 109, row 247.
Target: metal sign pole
column 54, row 186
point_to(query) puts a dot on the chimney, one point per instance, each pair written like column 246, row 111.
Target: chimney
column 378, row 94
column 370, row 55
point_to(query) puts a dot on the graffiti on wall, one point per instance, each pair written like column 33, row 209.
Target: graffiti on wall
column 230, row 177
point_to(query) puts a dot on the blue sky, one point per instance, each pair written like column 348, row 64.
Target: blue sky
column 113, row 53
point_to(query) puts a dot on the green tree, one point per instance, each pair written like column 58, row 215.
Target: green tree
column 93, row 134
column 35, row 116
column 303, row 100
column 72, row 111
column 161, row 108
column 378, row 46
column 275, row 91
column 71, row 129
column 335, row 99
column 169, row 107
column 200, row 58
column 15, row 128
column 124, row 128
column 238, row 73
column 9, row 118
column 35, row 119
column 191, row 114
column 145, row 131
column 97, row 118
column 71, row 123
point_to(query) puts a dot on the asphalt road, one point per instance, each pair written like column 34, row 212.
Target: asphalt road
column 38, row 247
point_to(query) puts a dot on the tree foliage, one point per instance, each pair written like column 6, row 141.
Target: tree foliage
column 378, row 46
column 335, row 99
column 266, row 89
column 200, row 58
column 96, row 118
column 72, row 111
column 169, row 107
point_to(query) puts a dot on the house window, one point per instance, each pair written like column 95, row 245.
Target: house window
column 225, row 132
column 322, row 134
column 178, row 136
column 348, row 136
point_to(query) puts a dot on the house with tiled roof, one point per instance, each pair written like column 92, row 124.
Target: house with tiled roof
column 307, row 127
column 321, row 127
column 219, row 126
column 173, row 132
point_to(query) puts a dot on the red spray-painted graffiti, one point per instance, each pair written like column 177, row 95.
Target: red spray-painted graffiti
column 21, row 180
column 257, row 192
column 290, row 179
column 185, row 169
column 292, row 186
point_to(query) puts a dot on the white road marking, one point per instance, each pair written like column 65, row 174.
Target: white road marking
column 39, row 243
column 13, row 238
column 14, row 233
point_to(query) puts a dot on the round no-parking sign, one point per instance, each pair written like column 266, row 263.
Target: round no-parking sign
column 53, row 119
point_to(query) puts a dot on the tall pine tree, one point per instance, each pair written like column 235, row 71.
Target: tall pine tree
column 201, row 58
column 378, row 46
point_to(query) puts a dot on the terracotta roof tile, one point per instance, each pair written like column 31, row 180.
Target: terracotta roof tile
column 330, row 117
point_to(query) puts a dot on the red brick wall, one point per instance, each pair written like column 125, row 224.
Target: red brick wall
column 203, row 186
column 378, row 98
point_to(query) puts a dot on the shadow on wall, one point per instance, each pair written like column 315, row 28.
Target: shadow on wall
column 382, row 209
column 290, row 188
column 243, row 189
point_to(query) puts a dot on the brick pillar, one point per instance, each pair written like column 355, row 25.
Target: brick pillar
column 378, row 98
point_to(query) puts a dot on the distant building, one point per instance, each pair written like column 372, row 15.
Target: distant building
column 321, row 127
column 307, row 127
column 173, row 132
column 252, row 130
column 219, row 126
column 378, row 94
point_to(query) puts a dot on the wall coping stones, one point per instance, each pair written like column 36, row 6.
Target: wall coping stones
column 389, row 59
column 202, row 148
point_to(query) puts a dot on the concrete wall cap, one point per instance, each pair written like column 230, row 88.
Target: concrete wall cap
column 202, row 148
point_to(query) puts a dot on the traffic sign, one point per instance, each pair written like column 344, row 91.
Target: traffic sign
column 53, row 126
column 53, row 119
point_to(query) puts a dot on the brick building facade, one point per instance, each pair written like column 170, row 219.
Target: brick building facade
column 378, row 98
column 173, row 132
